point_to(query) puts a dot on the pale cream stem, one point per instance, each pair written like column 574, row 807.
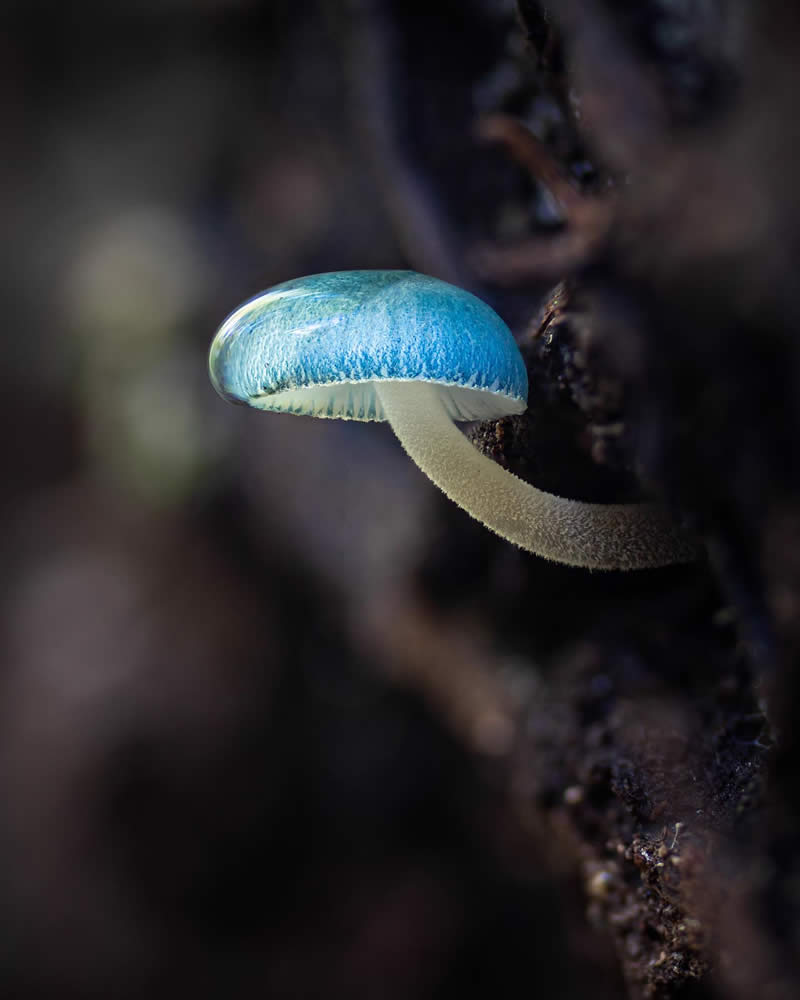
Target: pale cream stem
column 591, row 535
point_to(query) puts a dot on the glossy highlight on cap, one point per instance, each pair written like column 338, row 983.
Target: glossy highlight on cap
column 318, row 344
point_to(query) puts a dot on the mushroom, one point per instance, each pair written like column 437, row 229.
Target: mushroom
column 422, row 354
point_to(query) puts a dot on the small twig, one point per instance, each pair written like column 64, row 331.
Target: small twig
column 549, row 257
column 532, row 154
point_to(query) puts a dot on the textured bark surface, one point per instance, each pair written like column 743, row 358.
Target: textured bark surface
column 655, row 758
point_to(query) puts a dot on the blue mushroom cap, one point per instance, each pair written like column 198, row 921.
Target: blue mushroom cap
column 317, row 345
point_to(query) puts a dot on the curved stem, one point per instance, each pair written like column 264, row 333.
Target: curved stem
column 595, row 536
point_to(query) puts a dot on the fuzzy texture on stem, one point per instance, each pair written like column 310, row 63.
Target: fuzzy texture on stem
column 590, row 535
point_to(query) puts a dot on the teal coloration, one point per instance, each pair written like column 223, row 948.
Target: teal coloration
column 318, row 344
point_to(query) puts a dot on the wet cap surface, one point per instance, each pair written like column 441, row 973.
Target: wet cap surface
column 318, row 344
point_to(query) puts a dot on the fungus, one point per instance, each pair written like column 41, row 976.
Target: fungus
column 422, row 354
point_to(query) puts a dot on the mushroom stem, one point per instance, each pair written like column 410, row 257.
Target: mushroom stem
column 592, row 535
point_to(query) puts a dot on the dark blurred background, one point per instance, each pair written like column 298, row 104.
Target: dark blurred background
column 276, row 719
column 218, row 773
